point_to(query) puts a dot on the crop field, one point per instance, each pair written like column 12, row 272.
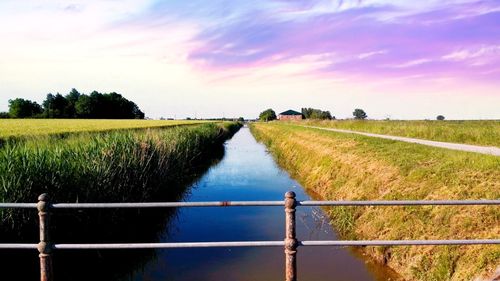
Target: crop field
column 481, row 132
column 340, row 166
column 19, row 128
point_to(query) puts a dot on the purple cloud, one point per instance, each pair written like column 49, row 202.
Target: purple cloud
column 411, row 43
column 355, row 38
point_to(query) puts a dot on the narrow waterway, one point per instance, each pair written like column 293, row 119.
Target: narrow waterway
column 248, row 172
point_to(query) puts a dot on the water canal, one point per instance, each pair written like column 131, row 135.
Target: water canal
column 243, row 171
column 248, row 172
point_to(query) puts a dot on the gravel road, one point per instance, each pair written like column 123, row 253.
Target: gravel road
column 491, row 150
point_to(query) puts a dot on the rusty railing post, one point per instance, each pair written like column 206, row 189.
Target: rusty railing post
column 290, row 239
column 44, row 247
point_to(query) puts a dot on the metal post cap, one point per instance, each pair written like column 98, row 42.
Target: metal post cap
column 290, row 194
column 43, row 197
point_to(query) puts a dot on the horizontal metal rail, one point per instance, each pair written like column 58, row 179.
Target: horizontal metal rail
column 254, row 203
column 18, row 246
column 165, row 204
column 399, row 203
column 171, row 245
column 174, row 245
column 399, row 242
column 277, row 244
column 17, row 205
column 290, row 243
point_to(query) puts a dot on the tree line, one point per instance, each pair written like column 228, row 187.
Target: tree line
column 307, row 113
column 311, row 113
column 75, row 105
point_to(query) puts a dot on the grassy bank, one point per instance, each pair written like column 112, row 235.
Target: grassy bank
column 351, row 167
column 486, row 133
column 18, row 128
column 113, row 166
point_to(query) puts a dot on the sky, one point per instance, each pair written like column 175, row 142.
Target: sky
column 231, row 58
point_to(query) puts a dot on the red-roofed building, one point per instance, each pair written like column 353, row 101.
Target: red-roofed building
column 290, row 115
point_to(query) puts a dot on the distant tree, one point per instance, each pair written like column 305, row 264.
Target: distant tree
column 55, row 106
column 359, row 114
column 72, row 98
column 319, row 114
column 241, row 119
column 267, row 115
column 100, row 108
column 106, row 106
column 306, row 112
column 312, row 113
column 47, row 104
column 4, row 115
column 440, row 117
column 84, row 107
column 138, row 114
column 21, row 108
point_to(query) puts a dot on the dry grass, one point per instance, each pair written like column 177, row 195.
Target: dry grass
column 338, row 166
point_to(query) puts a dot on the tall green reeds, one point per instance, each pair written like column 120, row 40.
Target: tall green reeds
column 129, row 165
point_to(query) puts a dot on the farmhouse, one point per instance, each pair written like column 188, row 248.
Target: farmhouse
column 290, row 115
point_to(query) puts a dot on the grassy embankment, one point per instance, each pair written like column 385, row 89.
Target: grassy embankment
column 480, row 132
column 352, row 167
column 123, row 165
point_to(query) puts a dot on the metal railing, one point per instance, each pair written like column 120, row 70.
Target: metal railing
column 290, row 243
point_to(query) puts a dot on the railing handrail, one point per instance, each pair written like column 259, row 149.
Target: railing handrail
column 290, row 243
column 275, row 243
column 257, row 203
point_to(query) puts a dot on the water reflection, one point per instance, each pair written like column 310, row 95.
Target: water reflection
column 248, row 172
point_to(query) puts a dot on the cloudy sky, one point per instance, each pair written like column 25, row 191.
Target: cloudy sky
column 395, row 59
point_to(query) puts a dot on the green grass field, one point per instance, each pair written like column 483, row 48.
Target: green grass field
column 339, row 166
column 19, row 128
column 484, row 132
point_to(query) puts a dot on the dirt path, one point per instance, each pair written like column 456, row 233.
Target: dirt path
column 491, row 150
